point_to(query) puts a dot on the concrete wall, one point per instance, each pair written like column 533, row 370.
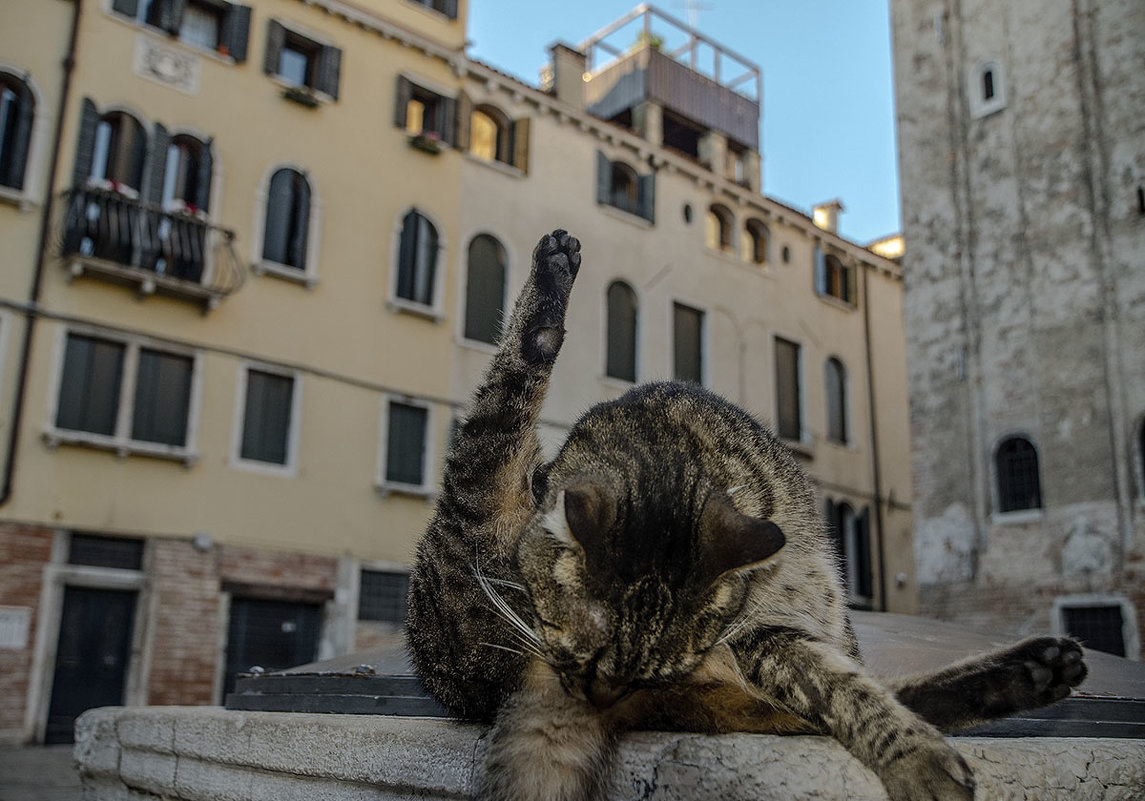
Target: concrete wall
column 1024, row 290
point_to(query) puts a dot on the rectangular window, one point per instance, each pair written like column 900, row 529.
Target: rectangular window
column 118, row 552
column 302, row 62
column 267, row 417
column 406, row 444
column 789, row 414
column 100, row 377
column 382, row 596
column 688, row 341
column 424, row 112
column 1098, row 627
column 201, row 24
column 210, row 24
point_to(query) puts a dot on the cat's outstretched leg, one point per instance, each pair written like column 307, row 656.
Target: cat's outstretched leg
column 1035, row 672
column 547, row 745
column 829, row 690
column 465, row 652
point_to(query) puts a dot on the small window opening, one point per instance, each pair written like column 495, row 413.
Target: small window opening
column 988, row 85
column 1141, row 200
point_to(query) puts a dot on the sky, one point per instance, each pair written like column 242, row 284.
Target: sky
column 828, row 102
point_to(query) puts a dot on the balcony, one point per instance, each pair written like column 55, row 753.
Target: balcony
column 108, row 234
column 650, row 55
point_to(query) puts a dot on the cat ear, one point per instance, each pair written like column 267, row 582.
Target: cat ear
column 731, row 540
column 590, row 510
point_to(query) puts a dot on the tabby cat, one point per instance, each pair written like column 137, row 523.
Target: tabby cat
column 669, row 569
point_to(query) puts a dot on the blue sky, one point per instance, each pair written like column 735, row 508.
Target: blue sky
column 828, row 103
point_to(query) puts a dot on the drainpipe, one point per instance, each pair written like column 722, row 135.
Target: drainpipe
column 877, row 474
column 41, row 256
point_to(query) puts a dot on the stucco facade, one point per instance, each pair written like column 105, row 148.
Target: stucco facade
column 1022, row 166
column 247, row 337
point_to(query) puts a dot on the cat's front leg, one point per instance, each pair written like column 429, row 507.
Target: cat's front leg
column 816, row 682
column 546, row 745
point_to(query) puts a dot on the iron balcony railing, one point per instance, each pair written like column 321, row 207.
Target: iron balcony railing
column 108, row 233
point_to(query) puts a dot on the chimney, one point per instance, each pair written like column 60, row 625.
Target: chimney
column 826, row 215
column 564, row 76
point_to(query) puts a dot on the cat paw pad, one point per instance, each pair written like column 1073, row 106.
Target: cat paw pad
column 1053, row 666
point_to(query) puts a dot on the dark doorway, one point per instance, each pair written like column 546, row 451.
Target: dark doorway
column 91, row 657
column 271, row 635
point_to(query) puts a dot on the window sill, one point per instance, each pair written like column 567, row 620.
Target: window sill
column 798, row 447
column 618, row 383
column 54, row 437
column 1017, row 517
column 388, row 488
column 630, row 217
column 265, row 468
column 489, row 348
column 146, row 281
column 17, row 197
column 303, row 96
column 496, row 166
column 416, row 309
column 285, row 272
column 216, row 55
column 432, row 144
column 838, row 303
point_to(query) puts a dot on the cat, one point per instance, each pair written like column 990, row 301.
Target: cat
column 668, row 569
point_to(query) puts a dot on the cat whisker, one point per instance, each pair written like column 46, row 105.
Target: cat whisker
column 503, row 648
column 504, row 610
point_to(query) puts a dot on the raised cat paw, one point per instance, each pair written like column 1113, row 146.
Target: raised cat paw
column 933, row 772
column 556, row 261
column 1043, row 670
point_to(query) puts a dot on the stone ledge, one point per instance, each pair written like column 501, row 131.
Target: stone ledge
column 211, row 754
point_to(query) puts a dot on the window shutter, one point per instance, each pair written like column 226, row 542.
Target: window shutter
column 85, row 144
column 448, row 111
column 129, row 8
column 171, row 15
column 603, row 177
column 275, row 38
column 17, row 160
column 206, row 162
column 300, row 225
column 520, row 139
column 236, row 32
column 152, row 192
column 820, row 271
column 464, row 110
column 646, row 196
column 329, row 71
column 449, row 8
column 402, row 98
column 863, row 572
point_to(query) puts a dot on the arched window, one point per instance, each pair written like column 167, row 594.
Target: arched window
column 485, row 289
column 1016, row 463
column 836, row 389
column 417, row 259
column 187, row 174
column 620, row 360
column 719, row 228
column 753, row 245
column 489, row 135
column 118, row 151
column 623, row 189
column 17, row 108
column 287, row 229
column 987, row 87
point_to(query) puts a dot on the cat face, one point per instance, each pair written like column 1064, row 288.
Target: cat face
column 626, row 597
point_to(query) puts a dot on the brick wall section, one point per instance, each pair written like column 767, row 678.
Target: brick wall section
column 185, row 587
column 23, row 553
column 278, row 569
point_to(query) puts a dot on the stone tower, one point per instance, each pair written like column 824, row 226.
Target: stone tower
column 1022, row 156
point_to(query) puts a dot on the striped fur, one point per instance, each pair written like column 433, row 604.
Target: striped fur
column 667, row 569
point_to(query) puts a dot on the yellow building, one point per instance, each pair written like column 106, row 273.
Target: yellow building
column 255, row 263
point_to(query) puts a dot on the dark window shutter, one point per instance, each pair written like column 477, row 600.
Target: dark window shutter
column 406, row 255
column 688, row 344
column 520, row 151
column 85, row 144
column 171, row 15
column 448, row 111
column 89, row 385
column 788, row 413
column 329, row 71
column 266, row 417
column 485, row 289
column 157, row 165
column 129, row 8
column 449, row 8
column 162, row 398
column 863, row 572
column 820, row 265
column 279, row 205
column 133, row 172
column 297, row 244
column 603, row 178
column 16, row 159
column 236, row 31
column 405, row 444
column 401, row 100
column 646, row 196
column 463, row 111
column 275, row 38
column 620, row 359
column 202, row 199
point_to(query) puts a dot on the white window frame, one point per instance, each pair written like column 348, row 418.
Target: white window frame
column 290, row 468
column 433, row 310
column 1128, row 617
column 31, row 195
column 979, row 105
column 121, row 442
column 386, row 487
column 308, row 276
